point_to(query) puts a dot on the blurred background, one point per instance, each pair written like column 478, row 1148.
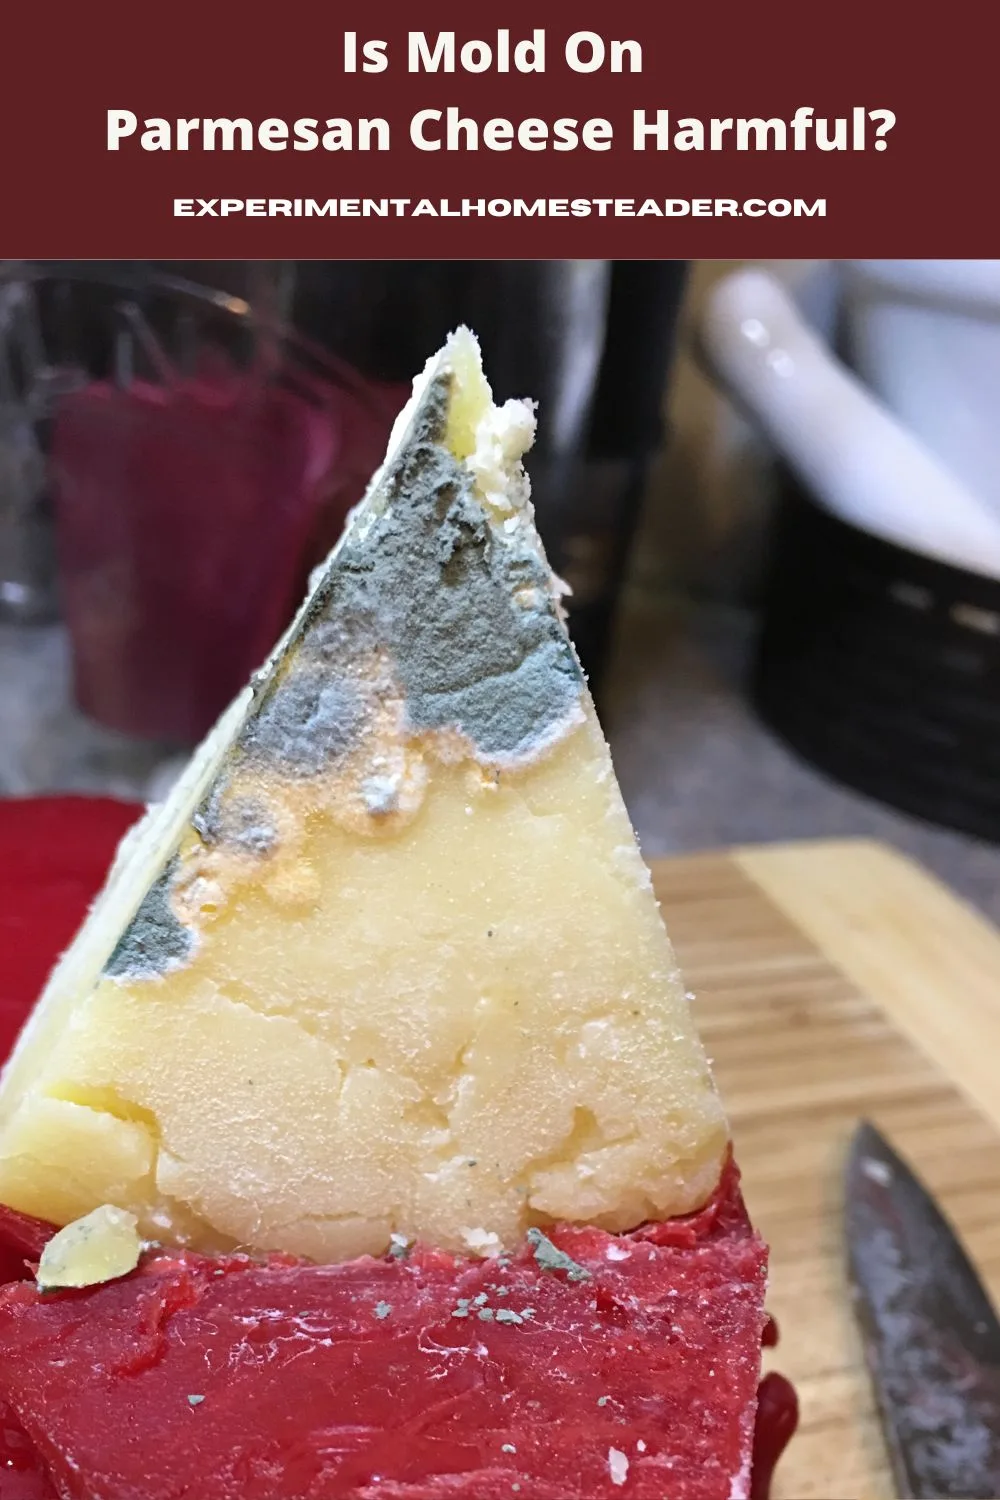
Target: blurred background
column 774, row 489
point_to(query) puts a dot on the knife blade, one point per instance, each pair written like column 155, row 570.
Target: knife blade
column 931, row 1335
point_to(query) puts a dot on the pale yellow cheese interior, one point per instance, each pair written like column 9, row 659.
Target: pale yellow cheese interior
column 448, row 1020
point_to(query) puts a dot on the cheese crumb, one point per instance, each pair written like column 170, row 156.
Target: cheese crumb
column 482, row 1242
column 503, row 435
column 618, row 1464
column 102, row 1246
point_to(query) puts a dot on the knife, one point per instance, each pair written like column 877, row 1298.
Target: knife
column 931, row 1335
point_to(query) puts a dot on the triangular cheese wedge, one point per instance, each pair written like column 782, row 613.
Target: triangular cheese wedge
column 388, row 961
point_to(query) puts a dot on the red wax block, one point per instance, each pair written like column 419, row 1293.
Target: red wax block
column 426, row 1378
column 23, row 1476
column 777, row 1419
column 22, row 1240
column 54, row 857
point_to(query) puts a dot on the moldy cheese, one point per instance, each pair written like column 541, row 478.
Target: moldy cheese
column 388, row 961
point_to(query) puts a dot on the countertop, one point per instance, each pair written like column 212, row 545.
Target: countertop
column 697, row 769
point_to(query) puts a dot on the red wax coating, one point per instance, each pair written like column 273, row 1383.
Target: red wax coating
column 22, row 1240
column 23, row 1476
column 777, row 1419
column 54, row 856
column 359, row 1382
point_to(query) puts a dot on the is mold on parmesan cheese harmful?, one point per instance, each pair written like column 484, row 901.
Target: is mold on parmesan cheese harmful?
column 386, row 967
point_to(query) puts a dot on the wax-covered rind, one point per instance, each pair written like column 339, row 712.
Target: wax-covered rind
column 581, row 1366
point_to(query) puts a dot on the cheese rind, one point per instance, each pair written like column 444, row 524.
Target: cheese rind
column 389, row 959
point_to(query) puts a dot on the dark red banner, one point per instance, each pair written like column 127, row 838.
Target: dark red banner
column 521, row 130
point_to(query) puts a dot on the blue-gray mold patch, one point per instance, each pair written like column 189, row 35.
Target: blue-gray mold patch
column 448, row 590
column 462, row 613
column 310, row 720
column 506, row 715
column 154, row 941
column 242, row 821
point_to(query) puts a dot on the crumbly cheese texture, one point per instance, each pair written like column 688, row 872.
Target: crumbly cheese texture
column 388, row 961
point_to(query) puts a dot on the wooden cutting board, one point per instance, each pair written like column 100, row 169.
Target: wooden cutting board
column 835, row 980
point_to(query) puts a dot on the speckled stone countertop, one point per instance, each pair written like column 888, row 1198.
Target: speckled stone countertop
column 697, row 769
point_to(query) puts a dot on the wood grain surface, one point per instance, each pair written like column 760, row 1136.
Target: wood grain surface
column 835, row 981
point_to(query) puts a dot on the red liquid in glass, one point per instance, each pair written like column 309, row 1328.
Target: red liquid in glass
column 188, row 516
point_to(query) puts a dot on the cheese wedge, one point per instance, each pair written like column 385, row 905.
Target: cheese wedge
column 387, row 961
